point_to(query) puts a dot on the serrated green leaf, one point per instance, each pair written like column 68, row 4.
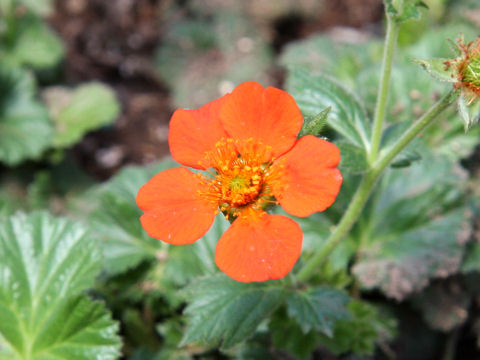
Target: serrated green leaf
column 76, row 112
column 437, row 69
column 115, row 219
column 224, row 311
column 353, row 157
column 314, row 125
column 314, row 93
column 317, row 308
column 410, row 10
column 45, row 263
column 361, row 331
column 416, row 231
column 25, row 131
column 470, row 113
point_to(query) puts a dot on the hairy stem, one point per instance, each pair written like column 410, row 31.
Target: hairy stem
column 368, row 182
column 382, row 96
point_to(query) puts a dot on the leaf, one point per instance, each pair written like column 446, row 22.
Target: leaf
column 34, row 45
column 410, row 10
column 314, row 125
column 25, row 131
column 45, row 264
column 470, row 113
column 115, row 219
column 437, row 69
column 76, row 112
column 408, row 155
column 353, row 157
column 317, row 308
column 221, row 310
column 361, row 331
column 314, row 93
column 416, row 231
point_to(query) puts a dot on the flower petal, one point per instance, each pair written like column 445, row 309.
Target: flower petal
column 259, row 249
column 193, row 132
column 310, row 181
column 174, row 211
column 268, row 115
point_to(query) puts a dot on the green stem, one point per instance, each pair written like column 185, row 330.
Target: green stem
column 382, row 96
column 368, row 182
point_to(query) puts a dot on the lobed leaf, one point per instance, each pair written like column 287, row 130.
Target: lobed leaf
column 45, row 264
column 314, row 93
column 224, row 311
column 317, row 308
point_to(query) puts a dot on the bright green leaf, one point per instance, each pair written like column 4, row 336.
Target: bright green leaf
column 224, row 311
column 314, row 93
column 75, row 112
column 317, row 308
column 314, row 125
column 25, row 131
column 45, row 264
column 437, row 69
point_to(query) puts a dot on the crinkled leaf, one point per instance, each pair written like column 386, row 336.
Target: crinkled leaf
column 417, row 229
column 314, row 93
column 444, row 305
column 115, row 220
column 45, row 263
column 470, row 113
column 361, row 331
column 437, row 69
column 75, row 112
column 317, row 308
column 313, row 125
column 224, row 311
column 410, row 10
column 25, row 131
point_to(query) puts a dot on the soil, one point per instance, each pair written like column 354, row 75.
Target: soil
column 115, row 42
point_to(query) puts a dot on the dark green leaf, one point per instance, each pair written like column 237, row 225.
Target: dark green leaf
column 437, row 69
column 45, row 263
column 314, row 125
column 416, row 231
column 222, row 310
column 25, row 131
column 314, row 93
column 359, row 333
column 408, row 155
column 410, row 10
column 317, row 308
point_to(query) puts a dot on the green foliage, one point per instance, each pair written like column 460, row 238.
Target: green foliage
column 470, row 113
column 416, row 229
column 75, row 112
column 315, row 93
column 25, row 131
column 33, row 44
column 437, row 69
column 359, row 333
column 409, row 10
column 45, row 264
column 224, row 312
column 317, row 308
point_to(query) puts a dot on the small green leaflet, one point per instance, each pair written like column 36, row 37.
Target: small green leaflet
column 45, row 265
column 410, row 10
column 437, row 69
column 470, row 113
column 224, row 311
column 317, row 308
column 314, row 125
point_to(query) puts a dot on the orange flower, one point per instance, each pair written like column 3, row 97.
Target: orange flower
column 247, row 140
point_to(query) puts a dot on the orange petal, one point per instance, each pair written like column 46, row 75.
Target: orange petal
column 310, row 181
column 258, row 249
column 193, row 132
column 174, row 211
column 269, row 115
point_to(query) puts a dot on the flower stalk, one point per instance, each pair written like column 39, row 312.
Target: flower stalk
column 368, row 182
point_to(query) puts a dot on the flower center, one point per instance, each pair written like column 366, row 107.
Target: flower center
column 240, row 177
